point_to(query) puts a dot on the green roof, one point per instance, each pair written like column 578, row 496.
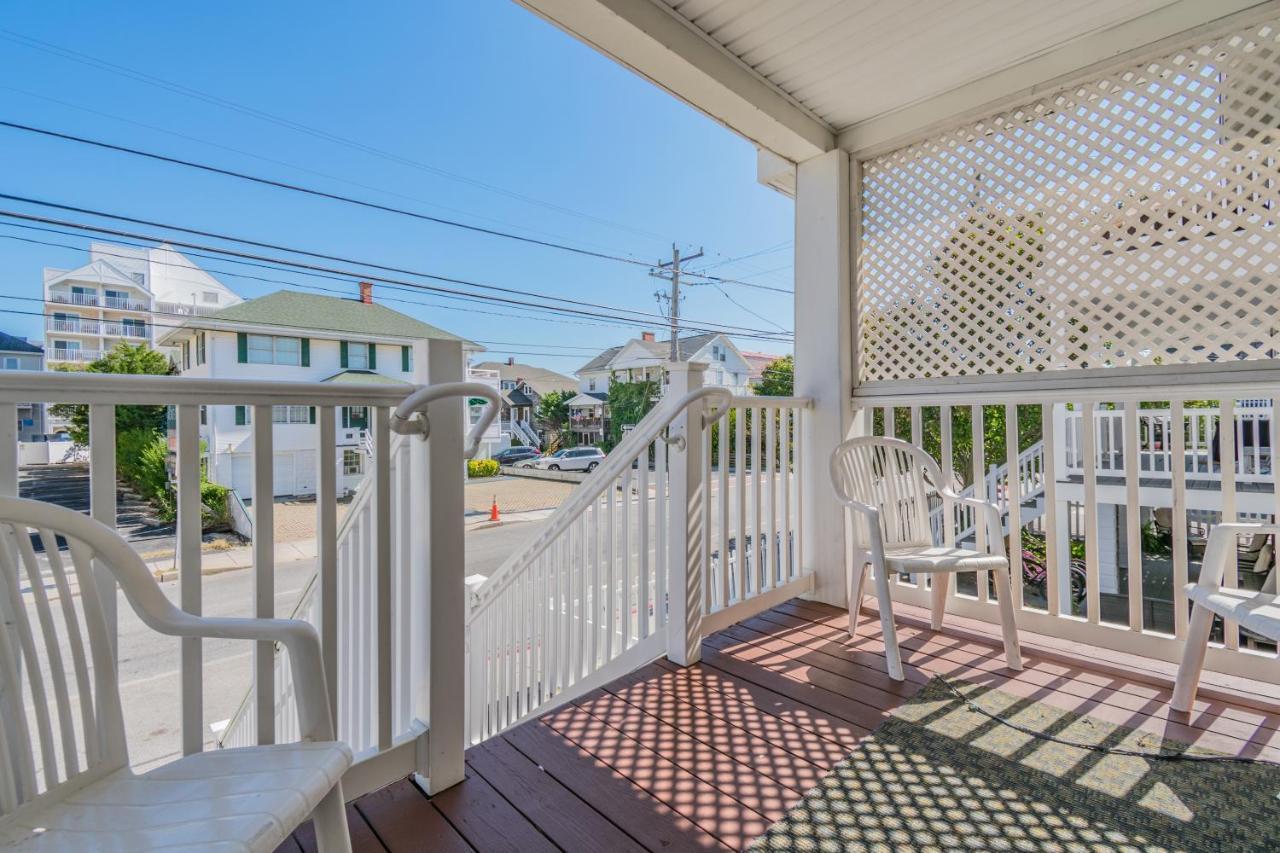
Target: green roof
column 309, row 311
column 363, row 377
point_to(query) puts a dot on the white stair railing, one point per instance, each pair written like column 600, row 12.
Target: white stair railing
column 587, row 600
column 527, row 433
column 996, row 488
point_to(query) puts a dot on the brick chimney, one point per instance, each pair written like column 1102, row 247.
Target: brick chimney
column 648, row 337
column 366, row 292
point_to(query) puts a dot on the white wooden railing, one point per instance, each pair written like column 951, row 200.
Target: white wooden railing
column 73, row 326
column 1101, row 432
column 624, row 569
column 391, row 577
column 1200, row 458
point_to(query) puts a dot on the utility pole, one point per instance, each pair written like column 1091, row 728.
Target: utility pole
column 671, row 270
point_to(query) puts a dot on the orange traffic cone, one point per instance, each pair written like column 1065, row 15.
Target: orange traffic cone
column 493, row 510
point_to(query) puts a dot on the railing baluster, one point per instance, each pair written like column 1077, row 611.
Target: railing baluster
column 948, row 473
column 789, row 569
column 740, row 488
column 190, row 528
column 757, row 503
column 1052, row 532
column 382, row 510
column 264, row 579
column 1013, row 500
column 327, row 546
column 978, row 435
column 102, row 504
column 626, row 573
column 642, row 545
column 662, row 508
column 1178, row 449
column 1088, row 430
column 771, row 467
column 1227, row 446
column 1133, row 511
column 595, row 611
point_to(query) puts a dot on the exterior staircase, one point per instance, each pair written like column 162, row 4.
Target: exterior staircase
column 526, row 433
column 995, row 487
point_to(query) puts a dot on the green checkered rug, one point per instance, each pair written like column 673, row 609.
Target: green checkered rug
column 939, row 776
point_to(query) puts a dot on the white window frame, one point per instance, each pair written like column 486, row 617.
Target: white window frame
column 11, row 363
column 352, row 462
column 274, row 349
column 357, row 356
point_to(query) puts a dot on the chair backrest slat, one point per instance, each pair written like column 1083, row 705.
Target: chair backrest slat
column 30, row 656
column 88, row 716
column 55, row 659
column 895, row 477
column 52, row 650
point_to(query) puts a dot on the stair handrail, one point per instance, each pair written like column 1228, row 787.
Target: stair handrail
column 410, row 417
column 635, row 442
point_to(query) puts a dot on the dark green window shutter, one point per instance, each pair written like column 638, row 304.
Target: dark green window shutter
column 346, row 418
column 242, row 347
column 312, row 414
column 373, row 356
column 404, row 359
column 306, row 352
column 240, row 416
column 342, row 354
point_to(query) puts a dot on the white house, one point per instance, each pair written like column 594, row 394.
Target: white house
column 643, row 358
column 294, row 336
column 124, row 293
column 20, row 354
column 523, row 386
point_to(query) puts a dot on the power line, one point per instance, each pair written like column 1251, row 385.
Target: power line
column 725, row 294
column 262, row 115
column 292, row 284
column 371, row 205
column 641, row 317
column 298, row 188
column 287, row 164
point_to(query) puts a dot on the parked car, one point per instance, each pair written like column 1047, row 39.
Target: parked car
column 516, row 455
column 569, row 459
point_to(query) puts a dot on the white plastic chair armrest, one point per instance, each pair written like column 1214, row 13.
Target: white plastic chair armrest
column 990, row 512
column 1222, row 542
column 303, row 645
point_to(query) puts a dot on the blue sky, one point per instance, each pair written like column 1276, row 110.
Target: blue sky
column 480, row 89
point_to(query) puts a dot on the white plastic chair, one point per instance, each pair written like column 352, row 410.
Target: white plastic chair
column 65, row 781
column 886, row 484
column 1258, row 612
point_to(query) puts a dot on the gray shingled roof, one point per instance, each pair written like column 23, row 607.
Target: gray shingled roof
column 11, row 343
column 688, row 346
column 540, row 379
column 330, row 313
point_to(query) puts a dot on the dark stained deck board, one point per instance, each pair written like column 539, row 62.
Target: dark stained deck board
column 704, row 757
column 632, row 809
column 568, row 821
column 487, row 820
column 406, row 821
column 646, row 766
column 363, row 838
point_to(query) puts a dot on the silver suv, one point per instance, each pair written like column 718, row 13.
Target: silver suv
column 569, row 459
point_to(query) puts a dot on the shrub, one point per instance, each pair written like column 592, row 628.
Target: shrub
column 482, row 467
column 216, row 512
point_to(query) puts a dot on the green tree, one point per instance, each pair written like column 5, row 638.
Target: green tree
column 126, row 358
column 553, row 414
column 778, row 379
column 629, row 402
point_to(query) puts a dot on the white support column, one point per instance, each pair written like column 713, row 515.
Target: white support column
column 686, row 556
column 446, row 568
column 824, row 348
column 190, row 528
column 102, row 503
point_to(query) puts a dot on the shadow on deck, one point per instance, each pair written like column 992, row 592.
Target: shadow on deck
column 710, row 756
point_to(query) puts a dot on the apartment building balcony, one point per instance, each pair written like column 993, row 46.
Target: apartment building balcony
column 125, row 330
column 184, row 309
column 73, row 326
column 85, row 299
column 125, row 303
column 71, row 356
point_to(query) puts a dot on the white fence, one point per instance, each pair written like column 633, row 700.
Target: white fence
column 1141, row 536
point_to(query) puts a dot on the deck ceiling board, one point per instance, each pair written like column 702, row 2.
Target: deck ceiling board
column 847, row 61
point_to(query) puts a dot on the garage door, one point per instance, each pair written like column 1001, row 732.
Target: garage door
column 304, row 472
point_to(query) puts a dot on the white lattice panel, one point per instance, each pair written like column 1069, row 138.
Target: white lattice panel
column 1130, row 220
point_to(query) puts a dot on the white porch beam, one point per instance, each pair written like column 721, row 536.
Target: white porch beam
column 1051, row 71
column 824, row 356
column 652, row 40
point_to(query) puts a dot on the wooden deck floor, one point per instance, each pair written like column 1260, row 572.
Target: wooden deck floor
column 708, row 757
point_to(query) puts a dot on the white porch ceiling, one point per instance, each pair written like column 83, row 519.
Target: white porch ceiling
column 847, row 61
column 799, row 77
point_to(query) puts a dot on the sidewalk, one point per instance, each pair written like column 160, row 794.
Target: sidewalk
column 213, row 562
